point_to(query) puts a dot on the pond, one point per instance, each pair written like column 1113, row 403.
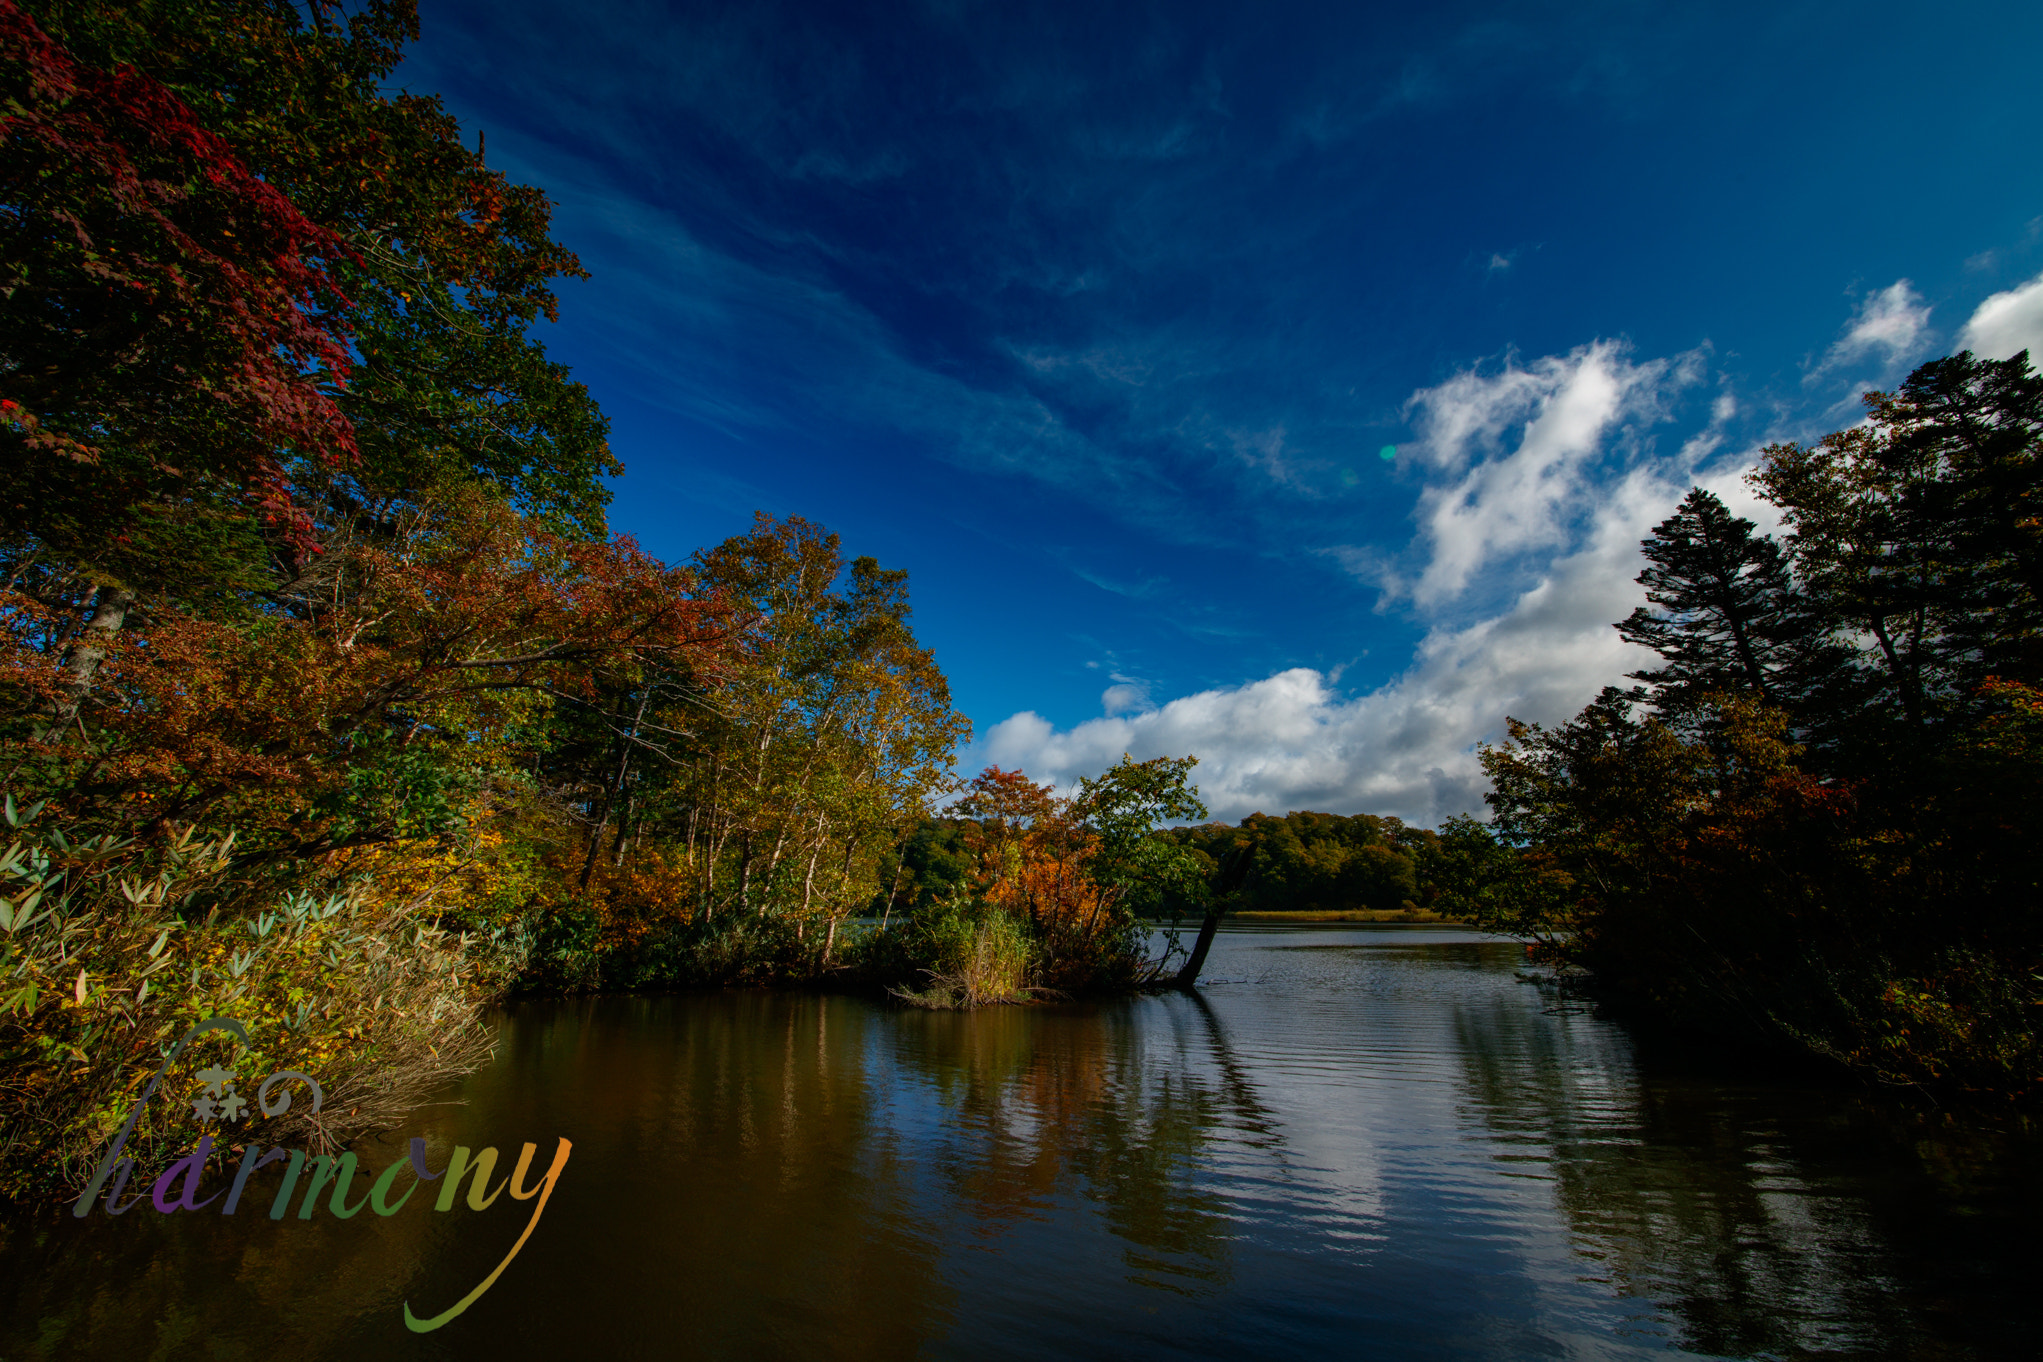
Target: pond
column 1374, row 1142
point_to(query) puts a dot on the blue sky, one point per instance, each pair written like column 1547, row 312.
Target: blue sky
column 1100, row 319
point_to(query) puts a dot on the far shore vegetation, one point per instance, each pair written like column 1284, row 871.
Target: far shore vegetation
column 329, row 702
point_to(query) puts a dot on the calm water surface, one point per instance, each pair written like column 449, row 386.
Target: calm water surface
column 1357, row 1143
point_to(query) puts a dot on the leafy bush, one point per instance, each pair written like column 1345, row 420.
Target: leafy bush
column 110, row 949
column 966, row 953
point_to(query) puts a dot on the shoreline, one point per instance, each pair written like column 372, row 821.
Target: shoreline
column 1387, row 916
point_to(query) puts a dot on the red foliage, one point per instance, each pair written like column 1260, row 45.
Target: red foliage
column 166, row 269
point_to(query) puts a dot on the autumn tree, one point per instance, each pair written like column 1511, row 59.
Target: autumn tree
column 171, row 313
column 1122, row 808
column 1031, row 853
column 267, row 341
column 247, row 286
column 1919, row 529
column 1085, row 871
column 349, row 724
column 820, row 754
column 303, row 569
column 1144, row 877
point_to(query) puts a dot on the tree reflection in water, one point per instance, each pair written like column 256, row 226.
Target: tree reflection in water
column 1096, row 1100
column 1764, row 1216
column 1371, row 1143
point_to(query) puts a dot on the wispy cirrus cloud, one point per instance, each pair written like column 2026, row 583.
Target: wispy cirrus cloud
column 751, row 349
column 1139, row 590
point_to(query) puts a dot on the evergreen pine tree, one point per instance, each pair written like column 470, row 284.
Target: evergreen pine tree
column 1921, row 532
column 1976, row 427
column 1728, row 617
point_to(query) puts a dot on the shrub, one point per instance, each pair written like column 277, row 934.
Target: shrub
column 110, row 949
column 970, row 953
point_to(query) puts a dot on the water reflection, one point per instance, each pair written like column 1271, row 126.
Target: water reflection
column 1764, row 1217
column 1374, row 1143
column 1099, row 1101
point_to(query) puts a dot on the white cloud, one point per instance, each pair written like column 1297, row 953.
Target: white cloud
column 1127, row 695
column 1295, row 741
column 2008, row 323
column 1890, row 325
column 1564, row 410
column 1292, row 741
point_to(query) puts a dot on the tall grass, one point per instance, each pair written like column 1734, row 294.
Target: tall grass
column 977, row 954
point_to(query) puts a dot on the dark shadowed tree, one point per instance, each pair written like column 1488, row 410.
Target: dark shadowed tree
column 1726, row 615
column 1921, row 530
column 1843, row 866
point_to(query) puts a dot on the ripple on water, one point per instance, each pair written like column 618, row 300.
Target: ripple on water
column 1373, row 1143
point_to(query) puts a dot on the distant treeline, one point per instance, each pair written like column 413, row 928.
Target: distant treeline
column 1299, row 863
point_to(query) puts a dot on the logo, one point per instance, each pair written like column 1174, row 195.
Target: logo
column 178, row 1187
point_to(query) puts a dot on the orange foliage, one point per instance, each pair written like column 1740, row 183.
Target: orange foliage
column 443, row 639
column 1033, row 859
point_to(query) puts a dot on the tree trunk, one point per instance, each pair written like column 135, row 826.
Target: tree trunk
column 809, row 880
column 1234, row 871
column 611, row 791
column 109, row 613
column 623, row 831
column 900, row 869
column 1189, row 975
column 1897, row 670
